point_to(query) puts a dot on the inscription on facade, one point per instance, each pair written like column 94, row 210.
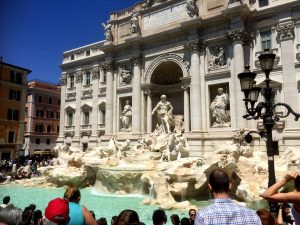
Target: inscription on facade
column 125, row 30
column 165, row 16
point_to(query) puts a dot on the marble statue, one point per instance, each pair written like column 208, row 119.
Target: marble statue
column 164, row 113
column 108, row 31
column 148, row 3
column 126, row 117
column 134, row 24
column 220, row 117
column 125, row 76
column 216, row 58
column 191, row 8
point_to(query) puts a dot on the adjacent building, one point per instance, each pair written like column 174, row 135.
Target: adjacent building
column 191, row 51
column 42, row 118
column 13, row 89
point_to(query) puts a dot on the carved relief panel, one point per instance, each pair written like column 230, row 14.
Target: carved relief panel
column 125, row 75
column 216, row 57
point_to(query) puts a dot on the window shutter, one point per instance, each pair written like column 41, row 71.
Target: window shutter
column 18, row 95
column 9, row 116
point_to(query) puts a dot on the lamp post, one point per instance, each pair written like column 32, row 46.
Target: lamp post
column 263, row 110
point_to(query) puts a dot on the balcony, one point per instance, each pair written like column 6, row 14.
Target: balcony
column 86, row 127
column 69, row 128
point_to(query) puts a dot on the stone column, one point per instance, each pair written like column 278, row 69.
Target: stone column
column 101, row 75
column 77, row 117
column 63, row 87
column 195, row 93
column 136, row 94
column 186, row 115
column 237, row 37
column 286, row 37
column 149, row 111
column 109, row 98
column 202, row 87
column 95, row 81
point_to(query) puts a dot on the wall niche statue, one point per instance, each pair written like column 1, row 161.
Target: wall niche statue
column 191, row 8
column 107, row 31
column 135, row 27
column 126, row 117
column 220, row 107
column 125, row 76
column 216, row 57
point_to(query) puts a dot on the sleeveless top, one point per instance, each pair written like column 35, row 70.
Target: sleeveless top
column 296, row 215
column 76, row 215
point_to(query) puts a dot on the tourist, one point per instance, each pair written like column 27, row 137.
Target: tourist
column 159, row 217
column 185, row 221
column 10, row 216
column 37, row 218
column 27, row 215
column 79, row 215
column 175, row 219
column 266, row 217
column 57, row 212
column 192, row 214
column 271, row 194
column 223, row 210
column 128, row 217
column 5, row 201
column 284, row 215
column 102, row 221
column 114, row 220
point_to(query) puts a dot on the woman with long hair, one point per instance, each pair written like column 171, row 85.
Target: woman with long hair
column 79, row 214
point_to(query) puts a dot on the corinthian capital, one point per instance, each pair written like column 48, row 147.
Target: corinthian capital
column 136, row 60
column 78, row 76
column 236, row 36
column 95, row 73
column 285, row 30
column 196, row 45
column 109, row 66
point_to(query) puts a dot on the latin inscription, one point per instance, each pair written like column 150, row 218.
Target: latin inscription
column 164, row 16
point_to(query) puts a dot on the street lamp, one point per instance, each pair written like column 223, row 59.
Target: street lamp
column 263, row 110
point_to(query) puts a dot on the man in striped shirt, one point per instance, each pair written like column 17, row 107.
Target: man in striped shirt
column 223, row 211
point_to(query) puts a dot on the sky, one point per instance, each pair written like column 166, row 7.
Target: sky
column 35, row 33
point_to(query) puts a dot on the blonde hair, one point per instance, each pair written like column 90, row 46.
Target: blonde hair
column 72, row 194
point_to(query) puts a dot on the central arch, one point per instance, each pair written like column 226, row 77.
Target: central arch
column 167, row 73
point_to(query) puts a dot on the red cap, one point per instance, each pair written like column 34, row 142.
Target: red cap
column 57, row 210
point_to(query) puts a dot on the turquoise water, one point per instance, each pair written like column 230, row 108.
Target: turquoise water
column 103, row 205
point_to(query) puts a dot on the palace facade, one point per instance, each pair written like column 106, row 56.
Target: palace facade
column 191, row 51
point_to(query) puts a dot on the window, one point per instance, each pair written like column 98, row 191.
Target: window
column 14, row 95
column 13, row 114
column 71, row 81
column 49, row 129
column 87, row 53
column 57, row 129
column 69, row 119
column 266, row 38
column 263, row 3
column 37, row 141
column 39, row 113
column 15, row 77
column 36, row 128
column 11, row 137
column 40, row 99
column 50, row 100
column 39, row 128
column 57, row 115
column 72, row 57
column 86, row 118
column 58, row 101
column 88, row 78
column 49, row 114
column 48, row 141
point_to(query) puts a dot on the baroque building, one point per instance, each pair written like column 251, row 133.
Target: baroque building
column 13, row 88
column 42, row 118
column 191, row 51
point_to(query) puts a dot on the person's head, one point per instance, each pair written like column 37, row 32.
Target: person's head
column 57, row 212
column 286, row 213
column 114, row 220
column 102, row 221
column 32, row 207
column 185, row 221
column 72, row 194
column 175, row 219
column 163, row 98
column 266, row 217
column 37, row 216
column 27, row 216
column 219, row 181
column 220, row 90
column 192, row 214
column 159, row 217
column 6, row 200
column 128, row 217
column 11, row 216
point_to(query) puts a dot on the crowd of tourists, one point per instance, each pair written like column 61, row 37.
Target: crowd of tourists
column 23, row 167
column 221, row 211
